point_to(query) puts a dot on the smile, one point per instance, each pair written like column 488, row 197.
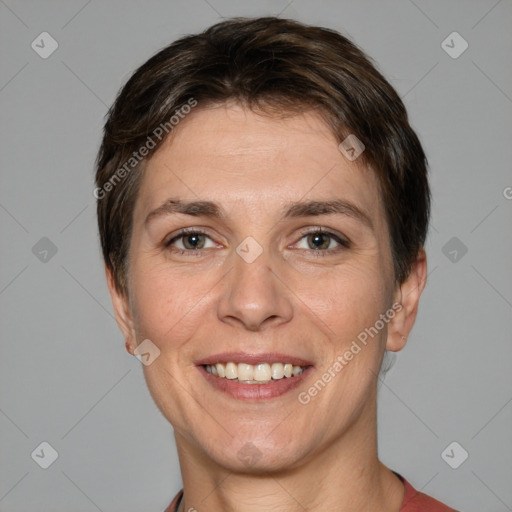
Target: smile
column 254, row 377
column 261, row 373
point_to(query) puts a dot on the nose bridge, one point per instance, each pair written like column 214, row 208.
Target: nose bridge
column 253, row 294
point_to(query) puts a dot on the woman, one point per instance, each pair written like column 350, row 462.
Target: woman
column 263, row 204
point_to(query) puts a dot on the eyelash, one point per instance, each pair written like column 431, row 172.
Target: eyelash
column 343, row 244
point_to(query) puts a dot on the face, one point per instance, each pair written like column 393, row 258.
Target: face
column 286, row 260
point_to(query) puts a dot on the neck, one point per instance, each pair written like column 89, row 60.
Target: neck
column 345, row 476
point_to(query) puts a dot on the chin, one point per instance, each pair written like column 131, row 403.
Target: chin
column 257, row 456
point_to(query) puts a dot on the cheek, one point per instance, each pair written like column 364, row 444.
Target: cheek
column 347, row 300
column 167, row 306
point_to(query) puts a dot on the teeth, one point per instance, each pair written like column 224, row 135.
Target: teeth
column 245, row 371
column 277, row 371
column 262, row 372
column 254, row 374
column 231, row 371
column 297, row 370
column 220, row 370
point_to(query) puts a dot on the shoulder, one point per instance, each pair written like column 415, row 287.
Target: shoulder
column 175, row 502
column 415, row 501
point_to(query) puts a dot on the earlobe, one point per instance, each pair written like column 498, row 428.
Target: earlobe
column 408, row 296
column 122, row 312
column 129, row 348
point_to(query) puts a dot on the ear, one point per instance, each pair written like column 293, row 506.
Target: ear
column 122, row 311
column 408, row 295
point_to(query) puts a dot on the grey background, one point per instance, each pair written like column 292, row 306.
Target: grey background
column 65, row 377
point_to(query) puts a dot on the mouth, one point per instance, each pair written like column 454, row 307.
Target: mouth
column 252, row 376
column 261, row 373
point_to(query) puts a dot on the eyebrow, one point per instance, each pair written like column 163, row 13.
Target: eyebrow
column 194, row 208
column 333, row 207
column 291, row 210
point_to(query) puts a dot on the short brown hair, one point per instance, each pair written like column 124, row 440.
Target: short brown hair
column 273, row 65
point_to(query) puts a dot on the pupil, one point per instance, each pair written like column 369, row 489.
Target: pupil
column 320, row 239
column 193, row 241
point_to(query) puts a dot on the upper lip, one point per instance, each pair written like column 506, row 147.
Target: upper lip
column 251, row 358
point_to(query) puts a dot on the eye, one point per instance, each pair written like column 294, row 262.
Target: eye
column 321, row 240
column 190, row 240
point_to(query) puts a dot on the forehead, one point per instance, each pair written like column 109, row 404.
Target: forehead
column 227, row 153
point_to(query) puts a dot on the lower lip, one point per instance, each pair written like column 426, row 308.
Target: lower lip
column 241, row 391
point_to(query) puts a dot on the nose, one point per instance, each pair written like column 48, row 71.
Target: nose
column 254, row 295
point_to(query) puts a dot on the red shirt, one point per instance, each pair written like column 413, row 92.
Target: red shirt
column 414, row 501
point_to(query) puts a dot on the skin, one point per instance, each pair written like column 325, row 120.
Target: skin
column 291, row 299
